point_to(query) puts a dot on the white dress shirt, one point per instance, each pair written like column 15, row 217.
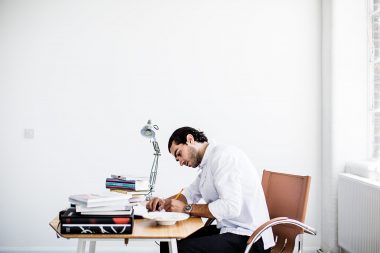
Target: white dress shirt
column 231, row 186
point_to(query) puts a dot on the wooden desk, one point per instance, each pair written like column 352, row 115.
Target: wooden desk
column 143, row 229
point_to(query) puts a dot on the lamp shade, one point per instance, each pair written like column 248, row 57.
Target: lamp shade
column 148, row 130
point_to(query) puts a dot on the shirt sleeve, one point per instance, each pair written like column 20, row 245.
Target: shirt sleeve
column 192, row 193
column 226, row 178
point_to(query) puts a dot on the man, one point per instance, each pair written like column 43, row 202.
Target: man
column 231, row 188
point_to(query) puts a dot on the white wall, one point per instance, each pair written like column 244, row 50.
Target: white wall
column 86, row 75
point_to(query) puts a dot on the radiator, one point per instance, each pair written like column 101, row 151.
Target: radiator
column 358, row 214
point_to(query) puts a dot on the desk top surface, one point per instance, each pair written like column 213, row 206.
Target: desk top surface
column 143, row 229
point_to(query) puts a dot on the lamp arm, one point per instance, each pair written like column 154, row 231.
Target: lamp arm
column 156, row 147
column 153, row 171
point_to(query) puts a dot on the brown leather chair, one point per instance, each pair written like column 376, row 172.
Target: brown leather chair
column 286, row 196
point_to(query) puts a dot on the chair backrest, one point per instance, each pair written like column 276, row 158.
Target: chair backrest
column 286, row 196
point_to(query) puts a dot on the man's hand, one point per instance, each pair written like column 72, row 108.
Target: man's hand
column 155, row 204
column 173, row 205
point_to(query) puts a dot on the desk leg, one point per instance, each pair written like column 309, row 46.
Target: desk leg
column 81, row 247
column 173, row 246
column 92, row 247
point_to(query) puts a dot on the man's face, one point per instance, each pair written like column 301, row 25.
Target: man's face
column 186, row 154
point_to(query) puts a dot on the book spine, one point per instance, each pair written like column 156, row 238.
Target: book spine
column 113, row 176
column 96, row 229
column 120, row 190
column 127, row 187
column 80, row 208
column 99, row 204
column 121, row 184
column 125, row 191
column 97, row 220
column 120, row 187
column 121, row 181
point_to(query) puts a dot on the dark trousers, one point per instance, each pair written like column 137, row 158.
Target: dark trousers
column 208, row 240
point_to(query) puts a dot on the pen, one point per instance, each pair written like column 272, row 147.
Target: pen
column 176, row 197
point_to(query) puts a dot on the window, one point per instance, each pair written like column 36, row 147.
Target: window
column 374, row 77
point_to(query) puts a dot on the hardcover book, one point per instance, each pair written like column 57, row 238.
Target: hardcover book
column 96, row 229
column 128, row 177
column 115, row 212
column 133, row 193
column 101, row 199
column 70, row 216
column 76, row 223
column 80, row 208
column 136, row 185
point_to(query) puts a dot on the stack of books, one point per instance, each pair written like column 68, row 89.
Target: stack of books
column 136, row 187
column 108, row 212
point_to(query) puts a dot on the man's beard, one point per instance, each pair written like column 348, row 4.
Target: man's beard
column 195, row 158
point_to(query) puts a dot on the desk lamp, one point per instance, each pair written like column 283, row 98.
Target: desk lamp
column 149, row 131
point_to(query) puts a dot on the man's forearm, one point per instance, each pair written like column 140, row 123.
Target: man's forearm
column 201, row 210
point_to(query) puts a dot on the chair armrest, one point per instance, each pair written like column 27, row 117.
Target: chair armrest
column 209, row 221
column 276, row 221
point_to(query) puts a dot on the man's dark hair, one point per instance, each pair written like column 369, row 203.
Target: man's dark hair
column 179, row 136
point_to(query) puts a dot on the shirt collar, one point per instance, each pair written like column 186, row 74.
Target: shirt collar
column 206, row 155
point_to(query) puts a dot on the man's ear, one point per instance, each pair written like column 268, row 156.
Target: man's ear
column 189, row 138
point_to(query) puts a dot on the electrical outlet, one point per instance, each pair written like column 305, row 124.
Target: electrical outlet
column 28, row 133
